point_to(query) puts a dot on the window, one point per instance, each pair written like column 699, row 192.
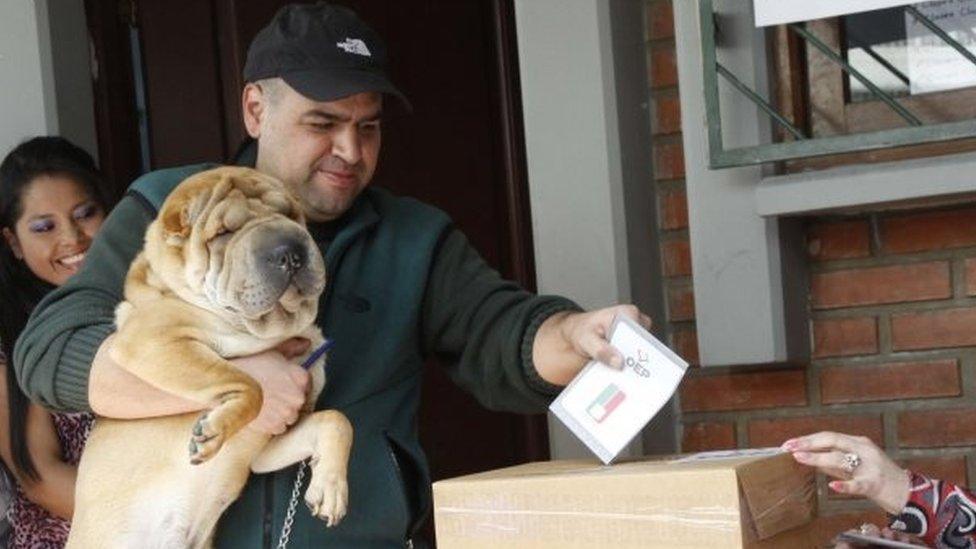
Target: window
column 895, row 51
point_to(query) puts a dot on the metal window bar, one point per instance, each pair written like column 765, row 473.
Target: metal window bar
column 846, row 67
column 881, row 60
column 719, row 157
column 759, row 101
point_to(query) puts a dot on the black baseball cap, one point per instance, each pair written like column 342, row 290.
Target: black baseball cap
column 323, row 51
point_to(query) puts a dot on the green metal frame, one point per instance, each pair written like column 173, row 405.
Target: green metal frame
column 804, row 146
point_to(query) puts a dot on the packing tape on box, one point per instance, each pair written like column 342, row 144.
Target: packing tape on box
column 808, row 493
column 514, row 515
column 704, row 517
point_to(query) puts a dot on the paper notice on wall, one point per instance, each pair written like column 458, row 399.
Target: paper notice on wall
column 605, row 407
column 934, row 65
column 778, row 12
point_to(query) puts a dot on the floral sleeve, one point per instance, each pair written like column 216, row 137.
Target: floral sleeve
column 942, row 514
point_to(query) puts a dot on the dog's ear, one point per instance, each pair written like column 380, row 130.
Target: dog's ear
column 175, row 225
column 282, row 201
column 273, row 193
column 179, row 216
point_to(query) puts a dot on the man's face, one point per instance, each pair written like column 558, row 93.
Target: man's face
column 326, row 152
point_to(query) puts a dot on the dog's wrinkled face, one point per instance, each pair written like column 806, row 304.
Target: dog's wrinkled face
column 232, row 240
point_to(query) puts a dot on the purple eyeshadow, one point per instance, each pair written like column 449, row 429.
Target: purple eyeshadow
column 40, row 226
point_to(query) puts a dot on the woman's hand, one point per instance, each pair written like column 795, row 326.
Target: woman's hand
column 875, row 475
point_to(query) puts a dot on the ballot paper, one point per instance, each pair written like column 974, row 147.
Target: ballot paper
column 605, row 407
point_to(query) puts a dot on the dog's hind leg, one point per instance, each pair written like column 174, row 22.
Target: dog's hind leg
column 326, row 437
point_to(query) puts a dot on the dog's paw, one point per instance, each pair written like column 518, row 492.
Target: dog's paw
column 206, row 440
column 327, row 495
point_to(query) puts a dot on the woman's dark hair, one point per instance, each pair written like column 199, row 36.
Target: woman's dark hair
column 20, row 289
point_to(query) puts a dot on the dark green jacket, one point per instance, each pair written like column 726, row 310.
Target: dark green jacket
column 403, row 283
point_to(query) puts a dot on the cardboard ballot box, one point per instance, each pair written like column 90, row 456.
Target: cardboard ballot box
column 754, row 499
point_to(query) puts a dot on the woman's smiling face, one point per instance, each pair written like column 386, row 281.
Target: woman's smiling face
column 57, row 222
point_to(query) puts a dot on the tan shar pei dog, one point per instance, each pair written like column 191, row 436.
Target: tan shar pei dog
column 228, row 270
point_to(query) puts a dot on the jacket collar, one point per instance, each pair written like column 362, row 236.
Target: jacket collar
column 360, row 217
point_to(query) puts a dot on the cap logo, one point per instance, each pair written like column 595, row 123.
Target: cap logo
column 354, row 45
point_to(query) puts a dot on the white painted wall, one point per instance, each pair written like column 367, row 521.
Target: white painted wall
column 45, row 75
column 577, row 222
column 584, row 104
column 740, row 305
column 23, row 108
column 72, row 71
column 573, row 153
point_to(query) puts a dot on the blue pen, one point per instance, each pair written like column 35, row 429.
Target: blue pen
column 317, row 354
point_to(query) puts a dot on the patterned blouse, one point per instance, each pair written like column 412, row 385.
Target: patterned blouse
column 940, row 513
column 32, row 527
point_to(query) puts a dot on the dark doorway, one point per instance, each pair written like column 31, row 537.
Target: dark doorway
column 461, row 149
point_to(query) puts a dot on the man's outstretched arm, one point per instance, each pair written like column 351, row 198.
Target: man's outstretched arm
column 511, row 349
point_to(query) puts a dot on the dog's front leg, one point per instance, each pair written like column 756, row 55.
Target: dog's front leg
column 326, row 437
column 179, row 362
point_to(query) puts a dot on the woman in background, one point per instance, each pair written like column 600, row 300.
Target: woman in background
column 50, row 208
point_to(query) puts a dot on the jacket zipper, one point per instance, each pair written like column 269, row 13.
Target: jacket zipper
column 268, row 518
column 269, row 481
column 408, row 540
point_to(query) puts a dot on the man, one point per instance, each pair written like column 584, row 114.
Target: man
column 313, row 101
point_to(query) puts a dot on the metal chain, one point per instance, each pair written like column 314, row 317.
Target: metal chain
column 296, row 492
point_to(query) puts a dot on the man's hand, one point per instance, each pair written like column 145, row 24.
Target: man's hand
column 567, row 341
column 284, row 385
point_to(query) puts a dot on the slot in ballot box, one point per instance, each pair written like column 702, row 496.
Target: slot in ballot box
column 735, row 499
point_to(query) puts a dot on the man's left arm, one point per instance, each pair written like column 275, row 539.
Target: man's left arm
column 511, row 349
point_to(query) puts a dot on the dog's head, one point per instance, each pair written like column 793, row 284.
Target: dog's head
column 233, row 241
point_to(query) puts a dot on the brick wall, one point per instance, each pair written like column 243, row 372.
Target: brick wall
column 892, row 315
column 668, row 176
